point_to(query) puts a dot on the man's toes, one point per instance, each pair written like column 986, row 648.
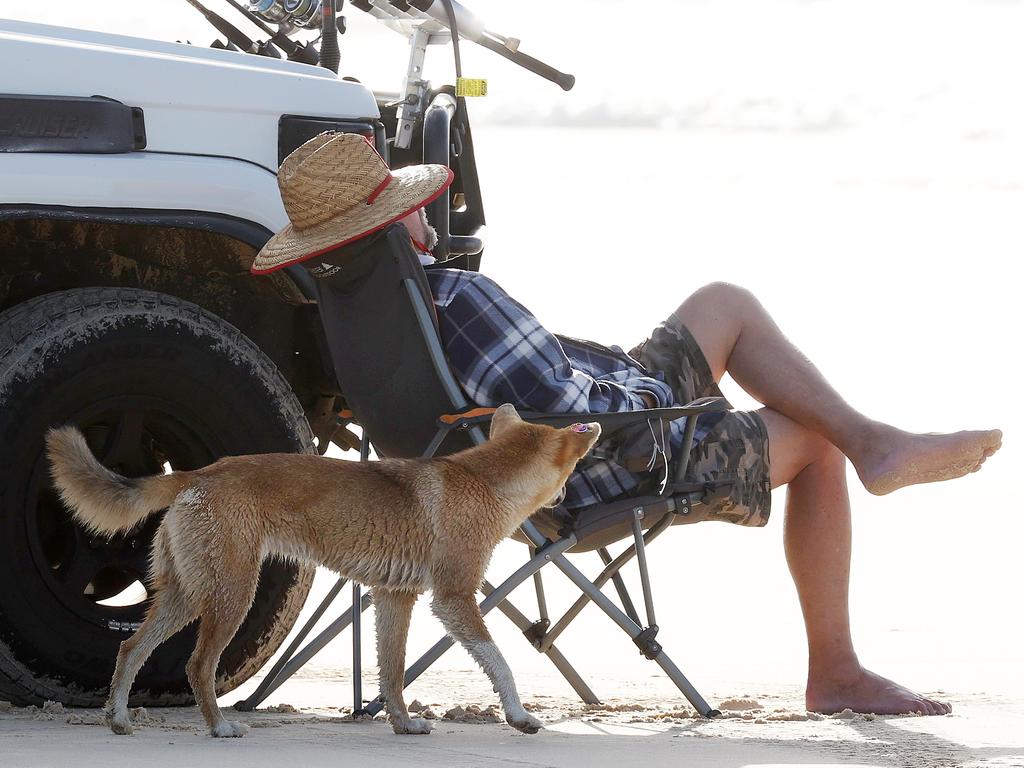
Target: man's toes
column 942, row 707
column 932, row 707
column 993, row 446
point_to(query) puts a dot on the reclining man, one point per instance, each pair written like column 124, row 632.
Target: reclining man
column 500, row 353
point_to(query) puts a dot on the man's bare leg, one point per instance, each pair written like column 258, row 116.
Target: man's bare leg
column 737, row 335
column 817, row 541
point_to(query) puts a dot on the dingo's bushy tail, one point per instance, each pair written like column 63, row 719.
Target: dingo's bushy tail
column 102, row 500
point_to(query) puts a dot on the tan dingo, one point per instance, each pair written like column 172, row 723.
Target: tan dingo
column 398, row 526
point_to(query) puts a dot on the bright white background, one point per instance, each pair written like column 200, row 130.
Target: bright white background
column 858, row 165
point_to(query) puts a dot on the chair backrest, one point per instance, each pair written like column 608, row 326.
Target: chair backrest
column 379, row 322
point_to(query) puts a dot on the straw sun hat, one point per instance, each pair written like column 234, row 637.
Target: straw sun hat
column 336, row 189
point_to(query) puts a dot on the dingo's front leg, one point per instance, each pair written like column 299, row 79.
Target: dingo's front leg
column 393, row 612
column 461, row 618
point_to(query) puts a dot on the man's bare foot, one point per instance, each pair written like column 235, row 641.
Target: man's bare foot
column 892, row 458
column 864, row 691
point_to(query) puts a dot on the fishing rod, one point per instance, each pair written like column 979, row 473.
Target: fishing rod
column 330, row 53
column 295, row 51
column 453, row 14
column 234, row 35
column 449, row 14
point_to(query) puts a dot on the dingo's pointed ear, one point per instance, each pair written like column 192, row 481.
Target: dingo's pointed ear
column 503, row 417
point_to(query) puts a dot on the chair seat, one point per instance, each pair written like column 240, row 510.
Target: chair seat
column 603, row 524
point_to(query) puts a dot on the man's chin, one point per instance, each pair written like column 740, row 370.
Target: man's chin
column 432, row 238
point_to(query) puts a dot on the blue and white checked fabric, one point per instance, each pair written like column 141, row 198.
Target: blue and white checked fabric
column 500, row 353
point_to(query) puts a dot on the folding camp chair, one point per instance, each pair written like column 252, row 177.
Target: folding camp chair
column 382, row 334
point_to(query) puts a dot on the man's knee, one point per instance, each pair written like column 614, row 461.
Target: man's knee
column 729, row 296
column 824, row 455
column 820, row 457
column 795, row 448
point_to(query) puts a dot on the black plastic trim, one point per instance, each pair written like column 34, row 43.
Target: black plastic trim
column 295, row 130
column 90, row 125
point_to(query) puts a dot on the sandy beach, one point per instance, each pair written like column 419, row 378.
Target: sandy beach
column 757, row 728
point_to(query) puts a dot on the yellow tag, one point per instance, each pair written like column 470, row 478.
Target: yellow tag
column 468, row 86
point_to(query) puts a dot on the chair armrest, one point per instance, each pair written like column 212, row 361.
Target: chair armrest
column 609, row 421
column 614, row 421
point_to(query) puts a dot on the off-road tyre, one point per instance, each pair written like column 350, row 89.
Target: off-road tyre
column 150, row 379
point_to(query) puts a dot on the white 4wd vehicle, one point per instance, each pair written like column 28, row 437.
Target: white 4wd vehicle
column 137, row 182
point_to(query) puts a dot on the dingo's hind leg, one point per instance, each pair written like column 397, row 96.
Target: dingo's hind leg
column 169, row 612
column 232, row 592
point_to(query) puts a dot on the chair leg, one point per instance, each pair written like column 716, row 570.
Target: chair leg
column 357, row 652
column 645, row 577
column 357, row 618
column 609, row 572
column 546, row 551
column 620, row 587
column 652, row 650
column 538, row 585
column 292, row 661
column 256, row 697
column 561, row 663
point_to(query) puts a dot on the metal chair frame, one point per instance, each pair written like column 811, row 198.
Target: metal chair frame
column 656, row 513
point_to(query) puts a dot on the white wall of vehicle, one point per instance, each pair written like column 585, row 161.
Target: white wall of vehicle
column 144, row 180
column 196, row 100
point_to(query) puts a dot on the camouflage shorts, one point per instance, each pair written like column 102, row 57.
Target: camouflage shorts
column 733, row 456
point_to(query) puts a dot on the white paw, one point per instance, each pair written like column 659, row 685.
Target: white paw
column 227, row 729
column 415, row 726
column 120, row 724
column 524, row 722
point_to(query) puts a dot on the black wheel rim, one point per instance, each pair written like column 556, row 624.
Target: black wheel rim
column 98, row 579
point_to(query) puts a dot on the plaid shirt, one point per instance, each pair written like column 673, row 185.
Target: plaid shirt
column 500, row 353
